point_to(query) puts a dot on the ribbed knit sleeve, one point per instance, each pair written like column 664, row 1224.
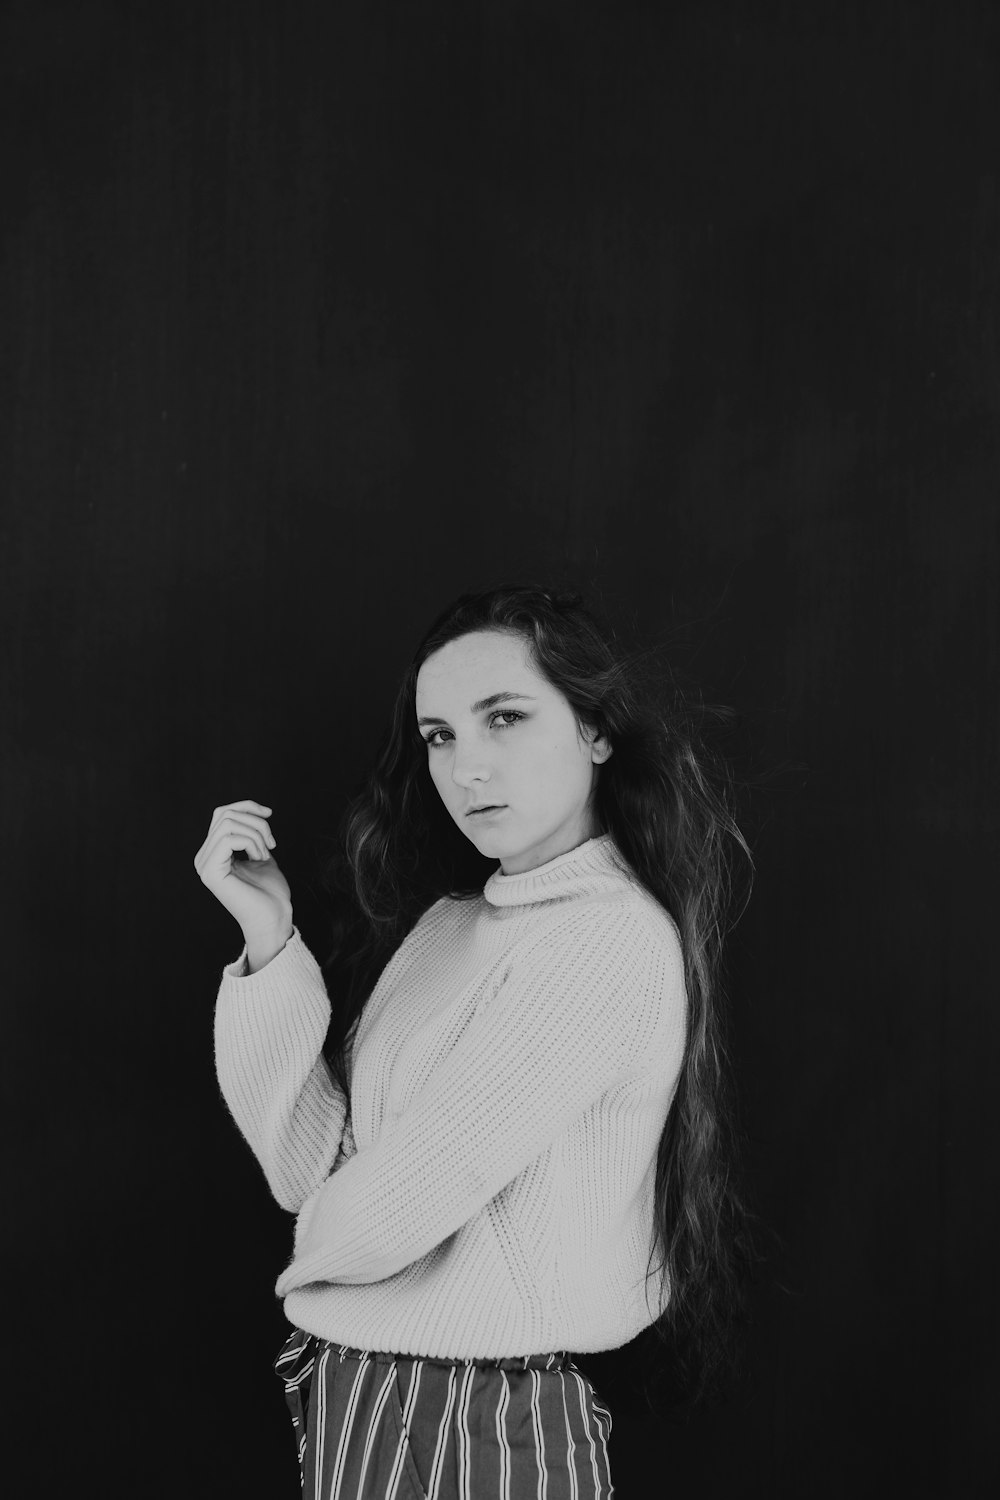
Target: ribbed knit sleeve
column 269, row 1032
column 592, row 999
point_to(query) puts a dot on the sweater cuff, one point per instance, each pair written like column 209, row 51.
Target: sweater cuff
column 291, row 987
column 238, row 968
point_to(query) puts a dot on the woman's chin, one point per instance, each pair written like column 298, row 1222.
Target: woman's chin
column 484, row 834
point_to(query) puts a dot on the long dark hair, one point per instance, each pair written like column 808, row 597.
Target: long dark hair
column 666, row 798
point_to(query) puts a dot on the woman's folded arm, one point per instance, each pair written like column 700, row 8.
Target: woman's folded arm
column 574, row 1017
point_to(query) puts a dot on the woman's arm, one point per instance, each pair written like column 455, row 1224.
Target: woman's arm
column 593, row 1002
column 269, row 1032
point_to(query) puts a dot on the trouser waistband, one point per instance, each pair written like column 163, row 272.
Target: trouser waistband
column 559, row 1360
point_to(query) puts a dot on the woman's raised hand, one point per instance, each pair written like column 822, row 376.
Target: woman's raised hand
column 253, row 890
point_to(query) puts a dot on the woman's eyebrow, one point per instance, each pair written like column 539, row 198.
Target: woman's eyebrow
column 484, row 703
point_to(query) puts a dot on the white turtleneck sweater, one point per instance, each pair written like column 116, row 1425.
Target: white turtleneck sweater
column 488, row 1189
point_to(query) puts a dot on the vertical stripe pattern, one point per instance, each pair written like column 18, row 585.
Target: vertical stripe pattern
column 375, row 1426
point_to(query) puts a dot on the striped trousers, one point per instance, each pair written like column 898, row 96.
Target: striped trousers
column 376, row 1426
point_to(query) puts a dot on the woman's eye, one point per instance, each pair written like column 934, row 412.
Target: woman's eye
column 501, row 713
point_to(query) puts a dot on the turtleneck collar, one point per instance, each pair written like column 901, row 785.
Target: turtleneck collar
column 580, row 871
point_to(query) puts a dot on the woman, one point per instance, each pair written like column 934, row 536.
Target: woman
column 518, row 1096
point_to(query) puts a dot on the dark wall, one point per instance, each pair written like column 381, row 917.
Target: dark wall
column 314, row 316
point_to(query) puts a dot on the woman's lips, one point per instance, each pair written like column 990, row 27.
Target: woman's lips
column 484, row 812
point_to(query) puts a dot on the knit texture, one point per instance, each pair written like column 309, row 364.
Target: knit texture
column 487, row 1191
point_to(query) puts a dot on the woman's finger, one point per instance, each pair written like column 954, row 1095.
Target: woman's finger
column 257, row 820
column 218, row 856
column 227, row 837
column 245, row 820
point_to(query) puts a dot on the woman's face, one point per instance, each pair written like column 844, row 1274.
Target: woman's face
column 524, row 755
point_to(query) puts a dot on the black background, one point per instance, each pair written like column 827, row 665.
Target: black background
column 315, row 315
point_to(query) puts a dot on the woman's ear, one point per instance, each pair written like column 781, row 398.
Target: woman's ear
column 600, row 746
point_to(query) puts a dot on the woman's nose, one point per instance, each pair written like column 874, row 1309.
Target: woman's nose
column 469, row 769
column 469, row 778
